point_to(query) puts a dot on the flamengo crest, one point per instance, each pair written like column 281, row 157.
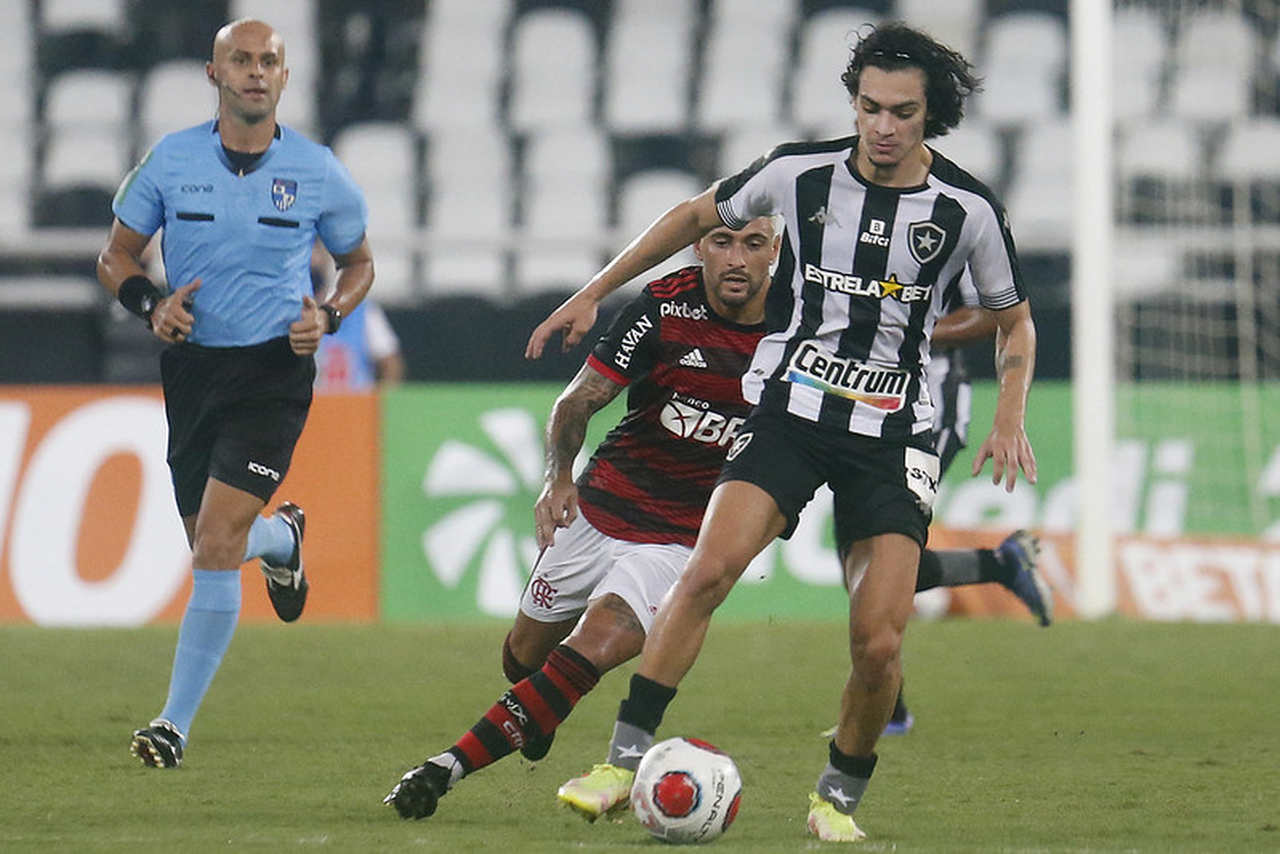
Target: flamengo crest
column 925, row 239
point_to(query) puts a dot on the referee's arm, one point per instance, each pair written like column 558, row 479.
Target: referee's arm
column 121, row 257
column 355, row 277
column 120, row 271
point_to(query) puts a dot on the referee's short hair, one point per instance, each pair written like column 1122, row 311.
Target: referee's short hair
column 949, row 77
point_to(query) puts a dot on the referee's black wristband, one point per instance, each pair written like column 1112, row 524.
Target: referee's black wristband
column 139, row 296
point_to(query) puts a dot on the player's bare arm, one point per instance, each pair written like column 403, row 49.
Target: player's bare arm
column 1007, row 445
column 674, row 230
column 963, row 326
column 557, row 506
column 120, row 261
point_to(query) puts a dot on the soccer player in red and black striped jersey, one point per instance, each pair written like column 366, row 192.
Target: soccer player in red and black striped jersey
column 615, row 540
column 877, row 224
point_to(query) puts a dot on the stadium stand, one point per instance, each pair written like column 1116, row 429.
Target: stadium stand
column 461, row 79
column 530, row 134
column 1138, row 58
column 554, row 70
column 659, row 34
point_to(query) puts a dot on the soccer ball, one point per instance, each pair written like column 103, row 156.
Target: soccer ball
column 686, row 791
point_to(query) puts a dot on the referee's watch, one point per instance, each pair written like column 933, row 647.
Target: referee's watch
column 335, row 317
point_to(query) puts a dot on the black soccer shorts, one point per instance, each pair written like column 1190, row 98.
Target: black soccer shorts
column 235, row 414
column 880, row 486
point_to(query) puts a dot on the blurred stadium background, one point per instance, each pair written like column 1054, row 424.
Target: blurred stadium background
column 508, row 147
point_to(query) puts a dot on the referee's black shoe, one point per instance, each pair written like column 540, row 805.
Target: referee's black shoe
column 287, row 584
column 158, row 745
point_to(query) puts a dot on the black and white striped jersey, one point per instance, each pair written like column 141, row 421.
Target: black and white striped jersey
column 869, row 266
column 947, row 378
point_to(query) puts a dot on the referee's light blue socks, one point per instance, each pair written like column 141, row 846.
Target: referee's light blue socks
column 206, row 631
column 271, row 539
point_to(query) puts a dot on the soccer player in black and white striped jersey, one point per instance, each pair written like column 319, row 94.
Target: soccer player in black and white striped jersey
column 877, row 223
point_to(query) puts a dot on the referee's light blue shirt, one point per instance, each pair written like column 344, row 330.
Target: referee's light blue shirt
column 247, row 237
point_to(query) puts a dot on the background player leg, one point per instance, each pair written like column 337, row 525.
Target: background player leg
column 1014, row 563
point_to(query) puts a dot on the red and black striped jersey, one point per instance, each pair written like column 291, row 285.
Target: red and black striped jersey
column 650, row 480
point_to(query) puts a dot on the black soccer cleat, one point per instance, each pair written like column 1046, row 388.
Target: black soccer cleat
column 287, row 585
column 158, row 745
column 538, row 746
column 1020, row 552
column 419, row 791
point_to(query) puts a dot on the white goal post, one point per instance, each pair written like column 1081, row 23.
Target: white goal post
column 1093, row 380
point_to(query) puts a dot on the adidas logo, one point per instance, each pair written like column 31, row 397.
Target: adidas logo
column 693, row 359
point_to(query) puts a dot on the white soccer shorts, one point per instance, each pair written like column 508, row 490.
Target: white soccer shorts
column 584, row 565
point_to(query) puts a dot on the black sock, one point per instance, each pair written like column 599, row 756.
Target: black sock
column 854, row 766
column 899, row 709
column 929, row 573
column 645, row 704
column 991, row 568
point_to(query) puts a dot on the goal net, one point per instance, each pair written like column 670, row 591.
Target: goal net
column 1197, row 273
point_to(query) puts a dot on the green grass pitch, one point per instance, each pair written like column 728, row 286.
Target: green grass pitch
column 1111, row 736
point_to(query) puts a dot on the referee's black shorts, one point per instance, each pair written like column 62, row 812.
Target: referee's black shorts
column 880, row 486
column 235, row 414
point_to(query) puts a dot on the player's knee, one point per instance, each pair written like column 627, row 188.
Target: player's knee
column 218, row 548
column 707, row 582
column 875, row 652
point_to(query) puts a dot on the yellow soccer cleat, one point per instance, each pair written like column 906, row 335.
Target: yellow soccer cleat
column 602, row 790
column 829, row 824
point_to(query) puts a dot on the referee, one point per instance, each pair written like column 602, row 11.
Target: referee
column 877, row 223
column 241, row 199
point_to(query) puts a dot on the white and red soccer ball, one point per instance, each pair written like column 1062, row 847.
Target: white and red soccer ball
column 686, row 791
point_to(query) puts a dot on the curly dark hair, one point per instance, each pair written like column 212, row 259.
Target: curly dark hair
column 949, row 77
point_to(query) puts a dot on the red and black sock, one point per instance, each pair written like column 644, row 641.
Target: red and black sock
column 533, row 707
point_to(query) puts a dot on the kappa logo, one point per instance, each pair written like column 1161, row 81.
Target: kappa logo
column 925, row 240
column 822, row 216
column 740, row 443
column 693, row 359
